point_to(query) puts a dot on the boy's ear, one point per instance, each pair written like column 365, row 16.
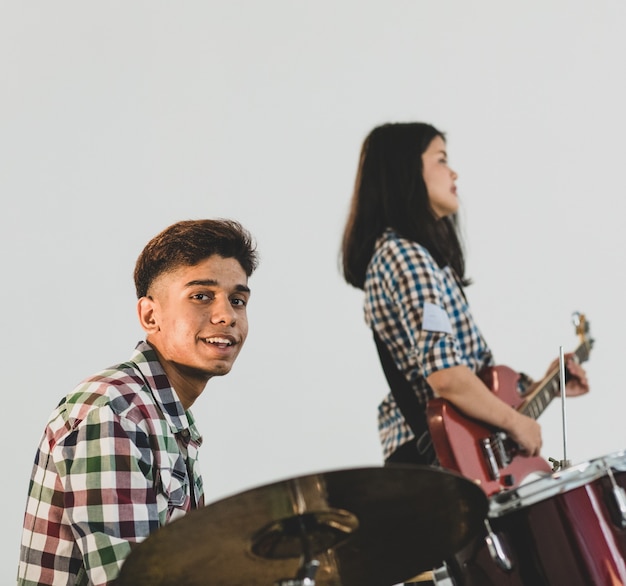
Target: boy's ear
column 147, row 313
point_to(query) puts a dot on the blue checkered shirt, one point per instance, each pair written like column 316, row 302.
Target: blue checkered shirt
column 401, row 277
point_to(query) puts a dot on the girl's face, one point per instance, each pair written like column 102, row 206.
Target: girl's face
column 439, row 179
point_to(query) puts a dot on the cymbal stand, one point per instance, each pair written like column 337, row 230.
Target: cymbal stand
column 305, row 576
column 308, row 564
column 564, row 463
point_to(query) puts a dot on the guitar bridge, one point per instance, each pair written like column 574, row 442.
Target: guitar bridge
column 496, row 455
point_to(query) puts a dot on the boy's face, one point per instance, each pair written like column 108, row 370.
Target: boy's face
column 198, row 317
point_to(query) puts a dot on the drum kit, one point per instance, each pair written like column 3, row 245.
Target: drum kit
column 384, row 526
column 364, row 526
column 381, row 526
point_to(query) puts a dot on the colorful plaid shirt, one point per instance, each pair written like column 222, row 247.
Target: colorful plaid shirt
column 420, row 313
column 111, row 468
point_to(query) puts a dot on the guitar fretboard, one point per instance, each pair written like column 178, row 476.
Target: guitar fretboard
column 541, row 397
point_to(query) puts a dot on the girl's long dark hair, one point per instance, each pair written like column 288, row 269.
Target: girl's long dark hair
column 390, row 192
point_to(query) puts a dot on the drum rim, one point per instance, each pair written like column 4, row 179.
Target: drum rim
column 554, row 484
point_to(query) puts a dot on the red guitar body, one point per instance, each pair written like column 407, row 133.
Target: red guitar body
column 458, row 440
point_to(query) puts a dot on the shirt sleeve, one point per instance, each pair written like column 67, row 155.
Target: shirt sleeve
column 417, row 283
column 105, row 469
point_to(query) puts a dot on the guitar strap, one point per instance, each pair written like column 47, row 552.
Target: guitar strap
column 406, row 399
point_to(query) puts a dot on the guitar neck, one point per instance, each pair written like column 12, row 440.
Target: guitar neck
column 537, row 401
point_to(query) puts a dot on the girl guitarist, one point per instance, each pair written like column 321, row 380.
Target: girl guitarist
column 401, row 246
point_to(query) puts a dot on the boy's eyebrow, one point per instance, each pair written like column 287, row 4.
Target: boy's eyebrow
column 215, row 283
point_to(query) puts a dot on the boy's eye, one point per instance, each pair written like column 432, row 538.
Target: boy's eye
column 239, row 302
column 202, row 296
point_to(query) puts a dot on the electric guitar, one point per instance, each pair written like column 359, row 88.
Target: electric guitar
column 485, row 454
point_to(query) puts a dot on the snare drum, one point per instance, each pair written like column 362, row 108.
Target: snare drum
column 565, row 528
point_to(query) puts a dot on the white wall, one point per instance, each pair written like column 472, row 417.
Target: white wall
column 119, row 118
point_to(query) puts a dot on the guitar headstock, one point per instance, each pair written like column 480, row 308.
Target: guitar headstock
column 582, row 331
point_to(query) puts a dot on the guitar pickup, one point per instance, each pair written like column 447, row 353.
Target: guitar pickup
column 499, row 441
column 490, row 458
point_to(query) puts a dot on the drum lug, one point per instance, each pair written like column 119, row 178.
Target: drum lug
column 497, row 550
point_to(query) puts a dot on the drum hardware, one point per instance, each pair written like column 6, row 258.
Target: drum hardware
column 365, row 527
column 564, row 463
column 497, row 550
column 438, row 576
column 442, row 577
column 304, row 535
column 581, row 327
column 619, row 496
column 305, row 577
column 559, row 464
column 564, row 528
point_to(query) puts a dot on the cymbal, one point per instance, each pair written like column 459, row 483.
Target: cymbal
column 365, row 527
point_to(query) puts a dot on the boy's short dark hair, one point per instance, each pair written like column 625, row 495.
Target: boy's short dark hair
column 187, row 243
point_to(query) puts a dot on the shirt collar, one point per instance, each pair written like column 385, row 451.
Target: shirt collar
column 165, row 396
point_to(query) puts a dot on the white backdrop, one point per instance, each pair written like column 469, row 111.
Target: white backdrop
column 120, row 118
